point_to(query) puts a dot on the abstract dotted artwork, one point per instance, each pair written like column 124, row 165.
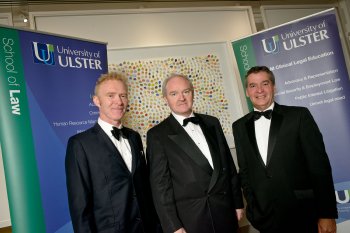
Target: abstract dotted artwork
column 146, row 105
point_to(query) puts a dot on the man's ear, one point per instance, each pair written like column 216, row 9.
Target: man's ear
column 165, row 100
column 96, row 100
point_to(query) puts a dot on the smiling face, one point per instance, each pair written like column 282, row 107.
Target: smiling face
column 179, row 95
column 260, row 89
column 112, row 100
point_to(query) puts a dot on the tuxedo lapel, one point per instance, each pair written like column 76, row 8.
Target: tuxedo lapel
column 134, row 150
column 276, row 122
column 179, row 136
column 209, row 133
column 109, row 145
column 252, row 138
column 104, row 139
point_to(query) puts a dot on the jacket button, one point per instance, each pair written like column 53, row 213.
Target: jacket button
column 268, row 174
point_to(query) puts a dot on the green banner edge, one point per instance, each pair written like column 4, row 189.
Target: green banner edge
column 22, row 179
column 245, row 57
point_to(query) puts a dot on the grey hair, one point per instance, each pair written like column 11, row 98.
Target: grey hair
column 174, row 75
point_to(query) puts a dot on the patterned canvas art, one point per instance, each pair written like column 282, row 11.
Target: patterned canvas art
column 146, row 105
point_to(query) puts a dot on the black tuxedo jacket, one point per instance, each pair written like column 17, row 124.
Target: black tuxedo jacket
column 187, row 192
column 295, row 187
column 104, row 196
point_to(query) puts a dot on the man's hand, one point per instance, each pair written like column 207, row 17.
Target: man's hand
column 239, row 214
column 327, row 225
column 181, row 230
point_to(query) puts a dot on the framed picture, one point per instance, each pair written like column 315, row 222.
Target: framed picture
column 208, row 65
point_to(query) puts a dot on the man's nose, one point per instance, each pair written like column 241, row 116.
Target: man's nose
column 181, row 96
column 117, row 99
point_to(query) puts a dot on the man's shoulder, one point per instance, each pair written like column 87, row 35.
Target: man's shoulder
column 130, row 130
column 207, row 117
column 86, row 134
column 290, row 108
column 132, row 133
column 164, row 124
column 241, row 120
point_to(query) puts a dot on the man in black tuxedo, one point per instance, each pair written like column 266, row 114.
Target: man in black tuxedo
column 107, row 178
column 193, row 178
column 284, row 169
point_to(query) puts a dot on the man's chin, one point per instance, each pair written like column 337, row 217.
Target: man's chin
column 184, row 113
column 117, row 117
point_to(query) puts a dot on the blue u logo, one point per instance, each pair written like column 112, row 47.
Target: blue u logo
column 271, row 45
column 43, row 53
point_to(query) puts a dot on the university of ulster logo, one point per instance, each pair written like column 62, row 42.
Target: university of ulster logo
column 271, row 45
column 43, row 53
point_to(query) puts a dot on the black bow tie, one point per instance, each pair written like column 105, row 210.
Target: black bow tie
column 267, row 114
column 194, row 120
column 117, row 133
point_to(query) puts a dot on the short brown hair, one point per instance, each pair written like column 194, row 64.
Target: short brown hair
column 257, row 69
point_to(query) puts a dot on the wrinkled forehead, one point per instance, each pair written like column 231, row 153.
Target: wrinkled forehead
column 178, row 82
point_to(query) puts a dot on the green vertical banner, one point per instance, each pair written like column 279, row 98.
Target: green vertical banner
column 22, row 179
column 244, row 53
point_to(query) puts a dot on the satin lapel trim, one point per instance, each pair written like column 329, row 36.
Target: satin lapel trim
column 114, row 152
column 185, row 142
column 214, row 151
column 251, row 134
column 276, row 122
column 134, row 153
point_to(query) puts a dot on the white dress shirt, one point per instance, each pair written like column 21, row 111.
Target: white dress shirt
column 262, row 131
column 196, row 133
column 122, row 145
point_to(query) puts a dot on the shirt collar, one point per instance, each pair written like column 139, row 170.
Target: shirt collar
column 271, row 107
column 180, row 118
column 107, row 127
